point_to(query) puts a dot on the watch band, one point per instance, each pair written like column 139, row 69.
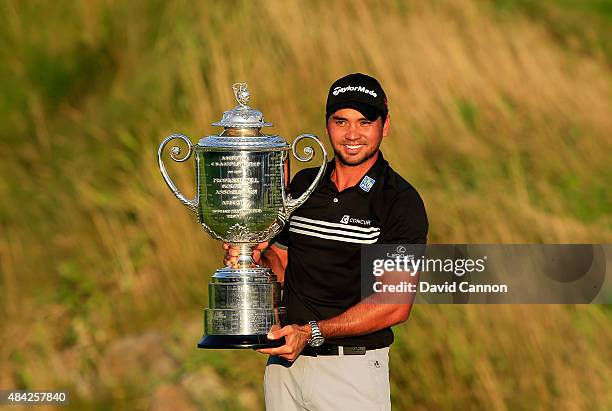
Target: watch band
column 316, row 337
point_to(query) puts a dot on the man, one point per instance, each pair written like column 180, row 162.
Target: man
column 336, row 348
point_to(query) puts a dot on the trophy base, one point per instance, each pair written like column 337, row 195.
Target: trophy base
column 238, row 341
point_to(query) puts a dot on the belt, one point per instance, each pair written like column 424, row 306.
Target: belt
column 333, row 350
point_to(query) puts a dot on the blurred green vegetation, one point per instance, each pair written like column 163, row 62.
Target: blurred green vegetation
column 500, row 117
column 582, row 25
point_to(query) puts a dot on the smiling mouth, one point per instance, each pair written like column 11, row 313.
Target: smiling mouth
column 353, row 146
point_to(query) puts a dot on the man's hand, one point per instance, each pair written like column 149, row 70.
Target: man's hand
column 231, row 254
column 296, row 338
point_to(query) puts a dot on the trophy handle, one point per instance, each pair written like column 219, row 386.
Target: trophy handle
column 174, row 153
column 290, row 203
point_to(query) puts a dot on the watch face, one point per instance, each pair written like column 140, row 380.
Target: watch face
column 316, row 341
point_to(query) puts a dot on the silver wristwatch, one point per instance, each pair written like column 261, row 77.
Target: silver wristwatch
column 316, row 338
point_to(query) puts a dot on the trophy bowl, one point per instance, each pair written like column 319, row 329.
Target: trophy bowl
column 242, row 177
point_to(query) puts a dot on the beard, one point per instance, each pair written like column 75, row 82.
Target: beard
column 353, row 161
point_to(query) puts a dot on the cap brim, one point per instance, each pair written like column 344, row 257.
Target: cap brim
column 370, row 112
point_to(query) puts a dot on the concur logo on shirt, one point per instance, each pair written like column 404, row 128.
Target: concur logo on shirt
column 347, row 219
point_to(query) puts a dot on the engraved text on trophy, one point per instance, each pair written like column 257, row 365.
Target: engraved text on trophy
column 240, row 188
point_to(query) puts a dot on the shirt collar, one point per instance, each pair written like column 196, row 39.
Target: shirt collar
column 368, row 182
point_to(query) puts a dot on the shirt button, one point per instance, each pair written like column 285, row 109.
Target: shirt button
column 335, row 199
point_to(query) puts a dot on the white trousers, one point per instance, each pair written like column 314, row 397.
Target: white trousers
column 330, row 382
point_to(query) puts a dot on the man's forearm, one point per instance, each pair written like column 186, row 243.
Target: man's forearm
column 364, row 318
column 374, row 313
column 271, row 260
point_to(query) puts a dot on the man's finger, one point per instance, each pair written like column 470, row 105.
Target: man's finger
column 283, row 349
column 262, row 246
column 275, row 335
column 289, row 357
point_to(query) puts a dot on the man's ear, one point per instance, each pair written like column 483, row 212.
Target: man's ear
column 386, row 126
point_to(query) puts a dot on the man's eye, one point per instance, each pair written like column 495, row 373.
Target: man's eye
column 340, row 122
column 366, row 123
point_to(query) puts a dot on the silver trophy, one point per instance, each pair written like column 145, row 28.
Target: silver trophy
column 241, row 198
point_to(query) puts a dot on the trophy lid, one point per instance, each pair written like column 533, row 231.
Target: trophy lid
column 242, row 126
column 242, row 116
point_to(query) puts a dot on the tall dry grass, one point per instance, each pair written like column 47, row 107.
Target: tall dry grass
column 504, row 131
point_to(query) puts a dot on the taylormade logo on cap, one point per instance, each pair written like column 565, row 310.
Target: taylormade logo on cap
column 359, row 92
column 361, row 89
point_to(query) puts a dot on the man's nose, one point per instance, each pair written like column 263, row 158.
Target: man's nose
column 353, row 133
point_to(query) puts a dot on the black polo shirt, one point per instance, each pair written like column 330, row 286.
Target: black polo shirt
column 324, row 238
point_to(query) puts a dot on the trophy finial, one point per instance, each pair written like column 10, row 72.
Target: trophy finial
column 242, row 116
column 242, row 93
